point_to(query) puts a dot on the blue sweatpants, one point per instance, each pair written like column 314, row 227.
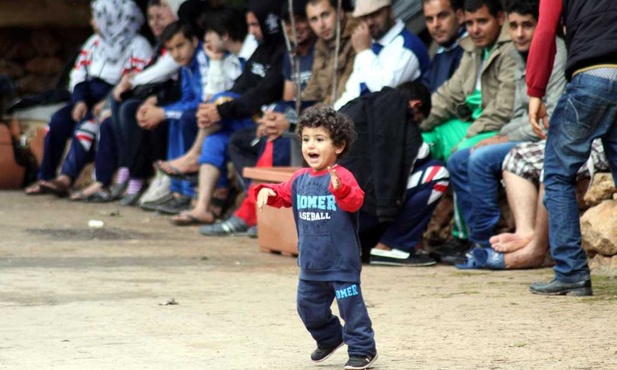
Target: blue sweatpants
column 182, row 134
column 314, row 301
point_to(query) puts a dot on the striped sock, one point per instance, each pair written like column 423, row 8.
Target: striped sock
column 123, row 175
column 135, row 186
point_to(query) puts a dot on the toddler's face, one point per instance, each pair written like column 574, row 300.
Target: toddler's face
column 318, row 149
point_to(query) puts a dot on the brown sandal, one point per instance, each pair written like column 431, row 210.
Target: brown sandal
column 55, row 187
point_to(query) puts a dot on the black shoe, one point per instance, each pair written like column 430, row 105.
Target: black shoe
column 130, row 199
column 396, row 257
column 452, row 251
column 117, row 190
column 252, row 232
column 323, row 353
column 175, row 205
column 555, row 287
column 364, row 362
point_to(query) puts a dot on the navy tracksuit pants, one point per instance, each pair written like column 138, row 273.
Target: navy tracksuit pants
column 314, row 301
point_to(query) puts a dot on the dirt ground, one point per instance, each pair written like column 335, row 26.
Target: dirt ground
column 72, row 297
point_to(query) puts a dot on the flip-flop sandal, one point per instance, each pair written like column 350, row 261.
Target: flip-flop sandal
column 55, row 187
column 174, row 172
column 187, row 219
column 472, row 261
column 494, row 259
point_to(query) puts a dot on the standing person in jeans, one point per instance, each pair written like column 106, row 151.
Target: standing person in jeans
column 586, row 111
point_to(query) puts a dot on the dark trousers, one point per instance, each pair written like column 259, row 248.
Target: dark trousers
column 106, row 159
column 61, row 127
column 149, row 146
column 314, row 301
column 429, row 182
column 125, row 127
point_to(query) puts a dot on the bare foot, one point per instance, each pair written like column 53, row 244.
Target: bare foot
column 87, row 191
column 183, row 165
column 34, row 189
column 509, row 242
column 530, row 256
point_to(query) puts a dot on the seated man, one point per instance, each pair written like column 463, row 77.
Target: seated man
column 477, row 101
column 522, row 175
column 402, row 183
column 187, row 51
column 445, row 23
column 476, row 171
column 387, row 54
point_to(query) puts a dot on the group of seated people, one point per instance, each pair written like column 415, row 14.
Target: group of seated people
column 224, row 86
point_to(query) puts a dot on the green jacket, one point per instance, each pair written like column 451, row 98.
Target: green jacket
column 497, row 85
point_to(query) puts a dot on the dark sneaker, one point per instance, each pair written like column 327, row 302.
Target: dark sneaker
column 555, row 287
column 397, row 257
column 364, row 362
column 232, row 226
column 175, row 205
column 323, row 353
column 252, row 232
column 452, row 251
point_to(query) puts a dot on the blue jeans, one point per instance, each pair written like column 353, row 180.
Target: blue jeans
column 586, row 111
column 475, row 179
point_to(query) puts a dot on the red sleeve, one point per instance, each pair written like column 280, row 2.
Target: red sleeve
column 282, row 190
column 543, row 48
column 349, row 195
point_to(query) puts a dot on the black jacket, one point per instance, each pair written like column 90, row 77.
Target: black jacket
column 591, row 33
column 383, row 154
column 261, row 81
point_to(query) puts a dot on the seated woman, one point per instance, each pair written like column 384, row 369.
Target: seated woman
column 114, row 49
column 117, row 134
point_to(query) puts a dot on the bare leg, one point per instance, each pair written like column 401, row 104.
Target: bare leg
column 522, row 198
column 208, row 176
column 533, row 254
column 188, row 163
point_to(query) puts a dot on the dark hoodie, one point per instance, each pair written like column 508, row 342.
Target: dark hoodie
column 261, row 81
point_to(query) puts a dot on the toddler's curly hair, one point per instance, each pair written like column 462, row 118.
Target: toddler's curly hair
column 340, row 126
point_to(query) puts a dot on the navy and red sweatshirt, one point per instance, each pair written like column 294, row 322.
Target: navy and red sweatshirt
column 326, row 220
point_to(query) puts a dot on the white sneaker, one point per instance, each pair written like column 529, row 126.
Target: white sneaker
column 159, row 187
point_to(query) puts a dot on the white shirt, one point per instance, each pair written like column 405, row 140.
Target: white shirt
column 393, row 65
column 134, row 58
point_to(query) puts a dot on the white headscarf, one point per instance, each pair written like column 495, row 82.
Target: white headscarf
column 117, row 21
column 174, row 5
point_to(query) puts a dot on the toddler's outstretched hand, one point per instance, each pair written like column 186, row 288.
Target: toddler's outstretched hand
column 334, row 179
column 262, row 197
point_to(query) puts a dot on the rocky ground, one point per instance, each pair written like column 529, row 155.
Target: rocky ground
column 139, row 293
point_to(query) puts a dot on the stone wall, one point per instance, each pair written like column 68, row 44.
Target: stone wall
column 599, row 224
column 38, row 38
